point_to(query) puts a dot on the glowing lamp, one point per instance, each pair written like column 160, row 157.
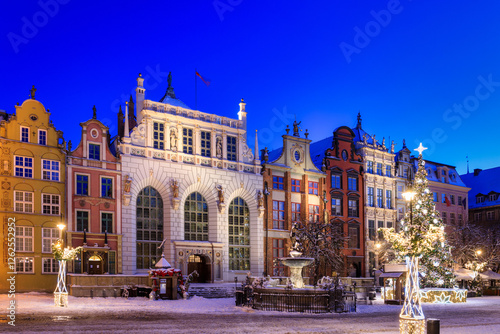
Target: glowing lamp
column 408, row 195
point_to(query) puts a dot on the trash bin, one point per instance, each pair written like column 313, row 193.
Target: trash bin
column 239, row 297
column 433, row 326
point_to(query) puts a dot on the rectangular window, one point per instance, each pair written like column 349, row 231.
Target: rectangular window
column 452, row 199
column 50, row 204
column 25, row 134
column 380, row 234
column 50, row 170
column 452, row 218
column 353, row 208
column 353, row 236
column 459, row 200
column 336, row 181
column 400, row 213
column 95, row 151
column 443, row 198
column 278, row 215
column 296, row 186
column 49, row 237
column 389, row 224
column 159, row 135
column 106, row 222
column 187, row 141
column 443, row 216
column 42, row 137
column 82, row 221
column 478, row 216
column 82, row 185
column 231, row 148
column 24, row 167
column 313, row 188
column 388, row 170
column 106, row 187
column 336, row 206
column 24, row 239
column 380, row 198
column 435, row 196
column 379, row 168
column 278, row 252
column 206, row 144
column 369, row 167
column 370, row 196
column 400, row 192
column 50, row 266
column 24, row 265
column 23, row 201
column 371, row 229
column 490, row 215
column 278, row 182
column 460, row 219
column 314, row 213
column 388, row 199
column 352, row 183
column 295, row 212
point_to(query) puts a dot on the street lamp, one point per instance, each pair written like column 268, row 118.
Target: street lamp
column 61, row 293
column 478, row 252
column 61, row 227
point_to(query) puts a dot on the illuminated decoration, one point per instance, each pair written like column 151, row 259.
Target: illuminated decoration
column 443, row 296
column 63, row 255
column 421, row 240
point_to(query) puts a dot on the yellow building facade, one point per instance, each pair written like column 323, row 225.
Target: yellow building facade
column 32, row 178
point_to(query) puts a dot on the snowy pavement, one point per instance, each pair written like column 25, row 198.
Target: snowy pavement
column 35, row 313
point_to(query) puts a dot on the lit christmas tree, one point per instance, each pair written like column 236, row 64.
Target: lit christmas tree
column 421, row 239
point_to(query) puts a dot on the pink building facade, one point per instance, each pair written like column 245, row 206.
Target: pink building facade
column 94, row 187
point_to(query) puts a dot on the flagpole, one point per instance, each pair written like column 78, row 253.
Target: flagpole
column 195, row 91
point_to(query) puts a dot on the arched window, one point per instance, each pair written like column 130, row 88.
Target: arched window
column 195, row 218
column 149, row 227
column 239, row 235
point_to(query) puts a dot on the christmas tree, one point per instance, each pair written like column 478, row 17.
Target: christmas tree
column 422, row 233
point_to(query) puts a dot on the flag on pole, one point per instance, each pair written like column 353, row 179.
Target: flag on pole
column 205, row 81
column 447, row 200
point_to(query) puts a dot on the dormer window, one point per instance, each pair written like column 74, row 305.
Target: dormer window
column 493, row 197
column 480, row 199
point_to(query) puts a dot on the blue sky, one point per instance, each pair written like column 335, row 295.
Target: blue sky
column 415, row 69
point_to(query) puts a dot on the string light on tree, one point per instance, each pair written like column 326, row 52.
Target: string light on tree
column 422, row 243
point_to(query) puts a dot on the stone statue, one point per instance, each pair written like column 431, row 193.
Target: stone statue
column 392, row 146
column 69, row 145
column 220, row 194
column 173, row 140
column 365, row 140
column 374, row 141
column 383, row 142
column 175, row 188
column 260, row 199
column 296, row 128
column 127, row 184
column 32, row 92
column 219, row 147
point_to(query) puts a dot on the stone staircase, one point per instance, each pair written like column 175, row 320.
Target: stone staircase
column 212, row 290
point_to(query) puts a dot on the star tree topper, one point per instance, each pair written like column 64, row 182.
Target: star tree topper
column 420, row 149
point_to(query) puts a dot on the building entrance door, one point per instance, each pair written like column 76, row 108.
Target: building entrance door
column 95, row 265
column 199, row 263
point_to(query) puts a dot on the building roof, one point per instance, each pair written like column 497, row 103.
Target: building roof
column 318, row 149
column 484, row 182
column 431, row 168
column 175, row 102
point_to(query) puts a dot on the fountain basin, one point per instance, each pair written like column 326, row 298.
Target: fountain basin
column 296, row 264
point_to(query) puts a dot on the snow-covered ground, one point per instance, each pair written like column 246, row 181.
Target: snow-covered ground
column 35, row 313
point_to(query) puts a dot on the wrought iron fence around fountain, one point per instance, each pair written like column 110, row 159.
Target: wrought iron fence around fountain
column 306, row 301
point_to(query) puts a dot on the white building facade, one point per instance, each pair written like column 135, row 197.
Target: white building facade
column 380, row 190
column 191, row 189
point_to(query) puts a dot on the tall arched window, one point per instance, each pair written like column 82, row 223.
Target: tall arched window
column 149, row 227
column 195, row 218
column 239, row 235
